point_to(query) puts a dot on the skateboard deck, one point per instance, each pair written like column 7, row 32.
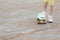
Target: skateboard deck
column 41, row 21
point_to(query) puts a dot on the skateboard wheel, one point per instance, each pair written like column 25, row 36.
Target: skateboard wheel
column 49, row 22
column 38, row 19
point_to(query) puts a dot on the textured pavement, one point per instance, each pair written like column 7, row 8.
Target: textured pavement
column 18, row 21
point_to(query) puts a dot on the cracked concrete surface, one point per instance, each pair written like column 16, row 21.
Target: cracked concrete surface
column 18, row 21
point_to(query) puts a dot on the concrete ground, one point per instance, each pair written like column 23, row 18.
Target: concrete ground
column 18, row 21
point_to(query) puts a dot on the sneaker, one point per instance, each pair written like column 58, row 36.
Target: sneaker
column 41, row 15
column 50, row 19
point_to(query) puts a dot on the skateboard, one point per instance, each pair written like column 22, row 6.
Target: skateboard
column 41, row 21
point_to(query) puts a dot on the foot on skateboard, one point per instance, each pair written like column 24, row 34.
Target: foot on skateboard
column 41, row 18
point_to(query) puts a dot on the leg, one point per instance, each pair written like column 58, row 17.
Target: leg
column 50, row 16
column 45, row 5
column 51, row 6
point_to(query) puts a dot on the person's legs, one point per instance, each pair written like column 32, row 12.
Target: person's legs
column 51, row 4
column 43, row 13
column 50, row 16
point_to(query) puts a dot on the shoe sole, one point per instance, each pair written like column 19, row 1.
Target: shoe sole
column 49, row 22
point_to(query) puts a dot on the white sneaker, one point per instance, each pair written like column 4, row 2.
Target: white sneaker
column 50, row 19
column 42, row 15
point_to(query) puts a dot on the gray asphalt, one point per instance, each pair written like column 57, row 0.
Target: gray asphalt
column 18, row 21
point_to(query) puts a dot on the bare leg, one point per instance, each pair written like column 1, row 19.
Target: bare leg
column 45, row 6
column 50, row 16
column 51, row 7
column 51, row 10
